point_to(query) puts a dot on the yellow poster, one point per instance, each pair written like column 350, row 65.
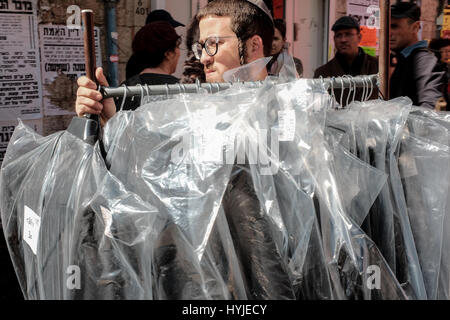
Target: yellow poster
column 445, row 33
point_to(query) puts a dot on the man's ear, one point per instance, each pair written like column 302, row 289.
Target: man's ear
column 255, row 48
column 416, row 26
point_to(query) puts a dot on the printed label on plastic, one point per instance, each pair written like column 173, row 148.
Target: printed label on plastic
column 287, row 122
column 31, row 228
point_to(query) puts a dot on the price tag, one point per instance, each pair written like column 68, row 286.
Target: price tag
column 287, row 123
column 31, row 227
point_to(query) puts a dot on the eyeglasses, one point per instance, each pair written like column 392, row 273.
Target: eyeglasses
column 211, row 46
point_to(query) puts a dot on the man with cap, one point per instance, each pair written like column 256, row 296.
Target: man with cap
column 417, row 74
column 133, row 66
column 350, row 59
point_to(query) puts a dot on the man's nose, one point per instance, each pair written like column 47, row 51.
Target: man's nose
column 206, row 59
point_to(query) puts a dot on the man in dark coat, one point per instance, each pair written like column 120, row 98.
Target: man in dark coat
column 350, row 59
column 417, row 74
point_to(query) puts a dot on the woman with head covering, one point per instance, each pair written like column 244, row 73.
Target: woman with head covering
column 156, row 48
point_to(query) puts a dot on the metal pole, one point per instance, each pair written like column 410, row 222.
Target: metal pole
column 111, row 42
column 341, row 82
column 384, row 53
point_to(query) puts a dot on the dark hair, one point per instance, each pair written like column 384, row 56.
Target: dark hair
column 281, row 26
column 192, row 69
column 152, row 41
column 247, row 20
column 438, row 44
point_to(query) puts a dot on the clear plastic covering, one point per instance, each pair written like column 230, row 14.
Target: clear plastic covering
column 73, row 230
column 250, row 193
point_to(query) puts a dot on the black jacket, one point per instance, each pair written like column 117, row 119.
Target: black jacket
column 419, row 77
column 364, row 64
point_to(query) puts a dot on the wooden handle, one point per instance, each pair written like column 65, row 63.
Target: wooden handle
column 89, row 43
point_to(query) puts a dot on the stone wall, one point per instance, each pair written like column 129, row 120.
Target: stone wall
column 130, row 17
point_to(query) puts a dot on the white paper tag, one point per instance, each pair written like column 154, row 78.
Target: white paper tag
column 287, row 122
column 31, row 227
column 213, row 143
column 208, row 142
column 107, row 219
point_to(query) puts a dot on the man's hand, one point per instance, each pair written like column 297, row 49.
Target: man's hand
column 89, row 100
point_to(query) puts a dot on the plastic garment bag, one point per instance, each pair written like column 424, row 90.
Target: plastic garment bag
column 284, row 66
column 435, row 120
column 155, row 152
column 247, row 72
column 73, row 230
column 424, row 163
column 291, row 122
column 374, row 129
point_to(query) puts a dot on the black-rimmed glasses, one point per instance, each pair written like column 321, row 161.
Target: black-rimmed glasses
column 211, row 45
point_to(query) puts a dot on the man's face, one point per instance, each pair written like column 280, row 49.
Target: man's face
column 445, row 54
column 277, row 42
column 347, row 41
column 403, row 33
column 227, row 56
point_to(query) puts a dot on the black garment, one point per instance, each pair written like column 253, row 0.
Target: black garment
column 132, row 103
column 419, row 77
column 363, row 64
column 338, row 66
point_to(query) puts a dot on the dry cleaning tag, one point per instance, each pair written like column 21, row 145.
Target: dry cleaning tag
column 31, row 227
column 287, row 122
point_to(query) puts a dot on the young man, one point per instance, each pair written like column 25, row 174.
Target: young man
column 350, row 59
column 417, row 74
column 232, row 33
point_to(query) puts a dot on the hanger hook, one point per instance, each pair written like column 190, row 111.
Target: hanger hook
column 350, row 89
column 364, row 91
column 333, row 96
column 147, row 91
column 342, row 89
column 371, row 86
column 142, row 93
column 368, row 84
column 198, row 84
column 124, row 96
column 167, row 91
column 353, row 79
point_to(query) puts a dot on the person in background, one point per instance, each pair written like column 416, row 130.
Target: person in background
column 279, row 46
column 350, row 59
column 441, row 48
column 133, row 66
column 156, row 49
column 417, row 74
